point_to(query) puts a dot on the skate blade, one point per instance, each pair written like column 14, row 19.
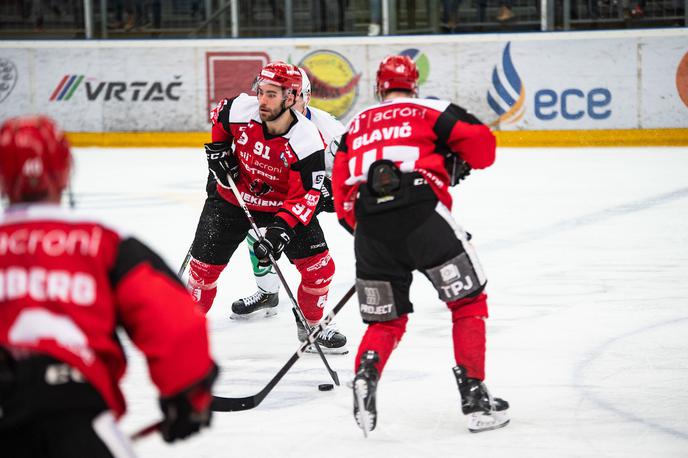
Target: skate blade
column 327, row 351
column 263, row 313
column 479, row 422
column 363, row 418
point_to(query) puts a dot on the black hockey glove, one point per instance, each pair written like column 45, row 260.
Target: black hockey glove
column 188, row 411
column 221, row 162
column 277, row 237
column 325, row 203
column 457, row 168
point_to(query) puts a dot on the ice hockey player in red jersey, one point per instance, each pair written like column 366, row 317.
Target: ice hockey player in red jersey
column 67, row 283
column 275, row 156
column 391, row 181
column 264, row 301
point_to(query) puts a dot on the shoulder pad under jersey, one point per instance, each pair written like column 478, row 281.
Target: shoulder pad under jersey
column 304, row 137
column 244, row 108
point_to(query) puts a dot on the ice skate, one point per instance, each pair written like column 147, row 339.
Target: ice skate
column 259, row 304
column 483, row 412
column 331, row 341
column 365, row 387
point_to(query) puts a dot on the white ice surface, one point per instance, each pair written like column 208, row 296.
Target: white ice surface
column 586, row 251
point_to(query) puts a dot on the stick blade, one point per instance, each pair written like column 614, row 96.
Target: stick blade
column 222, row 404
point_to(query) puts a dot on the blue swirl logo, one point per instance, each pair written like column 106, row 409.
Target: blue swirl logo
column 507, row 95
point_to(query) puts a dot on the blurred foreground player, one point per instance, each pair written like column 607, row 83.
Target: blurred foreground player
column 67, row 283
column 391, row 183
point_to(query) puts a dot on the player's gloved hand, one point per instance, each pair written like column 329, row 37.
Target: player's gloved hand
column 277, row 237
column 188, row 411
column 221, row 162
column 457, row 168
column 325, row 203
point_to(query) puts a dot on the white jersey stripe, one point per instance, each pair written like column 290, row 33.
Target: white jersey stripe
column 107, row 430
column 463, row 237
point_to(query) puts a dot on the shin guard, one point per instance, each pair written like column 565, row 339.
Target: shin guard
column 202, row 283
column 316, row 274
column 382, row 338
column 468, row 333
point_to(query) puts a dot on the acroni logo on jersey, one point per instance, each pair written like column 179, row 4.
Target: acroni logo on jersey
column 507, row 95
column 135, row 91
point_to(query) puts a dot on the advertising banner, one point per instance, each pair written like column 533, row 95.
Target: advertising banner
column 538, row 82
column 664, row 83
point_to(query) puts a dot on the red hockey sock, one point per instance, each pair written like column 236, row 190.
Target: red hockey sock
column 316, row 275
column 382, row 338
column 202, row 283
column 468, row 332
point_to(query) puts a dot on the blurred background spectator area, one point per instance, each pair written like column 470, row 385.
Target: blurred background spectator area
column 64, row 19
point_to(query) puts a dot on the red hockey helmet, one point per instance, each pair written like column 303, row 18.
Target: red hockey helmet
column 280, row 74
column 396, row 72
column 34, row 159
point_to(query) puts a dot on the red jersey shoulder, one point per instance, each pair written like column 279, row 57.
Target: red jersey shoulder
column 397, row 109
column 215, row 112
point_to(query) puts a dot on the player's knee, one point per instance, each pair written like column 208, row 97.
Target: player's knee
column 316, row 271
column 203, row 275
column 475, row 306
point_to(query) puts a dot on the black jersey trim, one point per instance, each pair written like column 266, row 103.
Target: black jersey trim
column 448, row 119
column 342, row 146
column 130, row 254
column 223, row 116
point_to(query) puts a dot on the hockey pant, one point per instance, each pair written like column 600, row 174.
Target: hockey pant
column 435, row 245
column 223, row 226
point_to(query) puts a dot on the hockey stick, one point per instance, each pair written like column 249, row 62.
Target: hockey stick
column 294, row 304
column 70, row 196
column 143, row 432
column 222, row 404
column 185, row 263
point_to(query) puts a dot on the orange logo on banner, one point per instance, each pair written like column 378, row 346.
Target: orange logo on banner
column 231, row 73
column 682, row 79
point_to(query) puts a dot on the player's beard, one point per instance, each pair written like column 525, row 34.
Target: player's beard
column 272, row 115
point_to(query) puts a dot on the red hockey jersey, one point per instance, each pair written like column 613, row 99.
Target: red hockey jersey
column 415, row 134
column 280, row 174
column 66, row 284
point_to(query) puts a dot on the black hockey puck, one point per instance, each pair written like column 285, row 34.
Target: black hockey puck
column 325, row 386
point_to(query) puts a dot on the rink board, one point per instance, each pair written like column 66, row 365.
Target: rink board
column 599, row 87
